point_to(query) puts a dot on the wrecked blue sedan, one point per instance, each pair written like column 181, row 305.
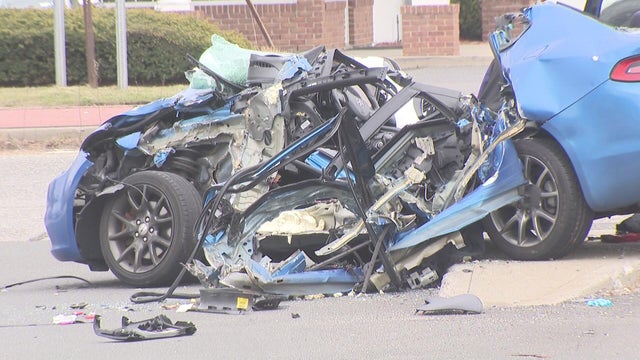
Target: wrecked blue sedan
column 337, row 176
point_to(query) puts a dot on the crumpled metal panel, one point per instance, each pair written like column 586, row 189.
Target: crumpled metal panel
column 496, row 192
column 231, row 251
column 296, row 283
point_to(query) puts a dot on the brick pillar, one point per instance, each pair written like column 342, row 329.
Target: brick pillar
column 333, row 25
column 491, row 9
column 430, row 30
column 309, row 24
column 360, row 23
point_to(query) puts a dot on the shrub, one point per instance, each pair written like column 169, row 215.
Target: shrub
column 470, row 19
column 156, row 46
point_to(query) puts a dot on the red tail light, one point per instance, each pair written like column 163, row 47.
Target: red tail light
column 627, row 70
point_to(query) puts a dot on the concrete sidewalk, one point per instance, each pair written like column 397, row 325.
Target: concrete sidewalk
column 34, row 117
column 51, row 124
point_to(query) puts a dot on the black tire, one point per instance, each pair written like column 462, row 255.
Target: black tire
column 144, row 239
column 555, row 219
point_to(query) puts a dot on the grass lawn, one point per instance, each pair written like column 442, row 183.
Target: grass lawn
column 51, row 96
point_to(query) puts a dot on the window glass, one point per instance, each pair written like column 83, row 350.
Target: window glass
column 625, row 13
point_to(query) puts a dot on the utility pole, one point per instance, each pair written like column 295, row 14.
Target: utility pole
column 121, row 45
column 90, row 46
column 59, row 43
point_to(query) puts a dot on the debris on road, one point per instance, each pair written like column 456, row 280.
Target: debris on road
column 599, row 303
column 75, row 318
column 64, row 319
column 81, row 305
column 5, row 287
column 460, row 304
column 155, row 328
column 224, row 300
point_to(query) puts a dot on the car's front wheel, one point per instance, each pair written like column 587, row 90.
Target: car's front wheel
column 146, row 229
column 553, row 218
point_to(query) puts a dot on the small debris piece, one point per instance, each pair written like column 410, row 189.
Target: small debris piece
column 599, row 303
column 460, row 304
column 184, row 308
column 534, row 356
column 314, row 297
column 295, row 315
column 75, row 318
column 81, row 305
column 267, row 304
column 169, row 306
column 155, row 328
column 64, row 319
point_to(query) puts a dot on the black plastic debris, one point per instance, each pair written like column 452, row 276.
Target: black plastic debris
column 267, row 303
column 460, row 304
column 155, row 328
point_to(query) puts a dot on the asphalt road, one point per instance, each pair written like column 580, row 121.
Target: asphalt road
column 466, row 79
column 367, row 327
column 371, row 326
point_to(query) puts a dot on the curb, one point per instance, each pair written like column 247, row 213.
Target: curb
column 593, row 269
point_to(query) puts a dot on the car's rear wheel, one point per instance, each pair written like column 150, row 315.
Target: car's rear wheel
column 146, row 229
column 553, row 218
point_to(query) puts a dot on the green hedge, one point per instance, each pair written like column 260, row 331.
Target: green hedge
column 157, row 45
column 470, row 19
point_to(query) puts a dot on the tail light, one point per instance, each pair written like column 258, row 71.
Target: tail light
column 627, row 70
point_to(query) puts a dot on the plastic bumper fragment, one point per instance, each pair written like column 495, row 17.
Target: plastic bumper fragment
column 155, row 328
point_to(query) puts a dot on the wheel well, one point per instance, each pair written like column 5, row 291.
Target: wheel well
column 536, row 132
column 88, row 233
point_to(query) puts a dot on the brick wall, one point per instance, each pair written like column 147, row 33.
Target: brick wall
column 293, row 26
column 430, row 30
column 494, row 8
column 333, row 31
column 360, row 23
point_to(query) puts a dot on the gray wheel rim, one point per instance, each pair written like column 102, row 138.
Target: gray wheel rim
column 525, row 226
column 140, row 228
